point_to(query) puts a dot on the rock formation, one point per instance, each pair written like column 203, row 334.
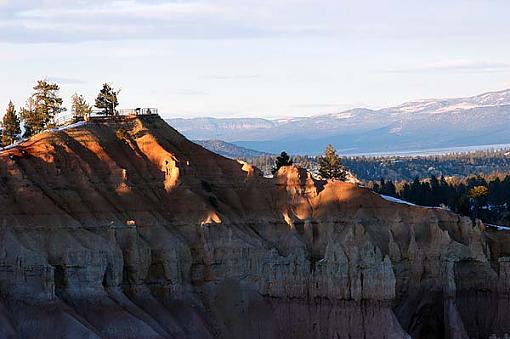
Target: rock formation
column 125, row 229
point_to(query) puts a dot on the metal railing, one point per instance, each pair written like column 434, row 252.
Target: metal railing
column 68, row 117
column 138, row 111
column 128, row 111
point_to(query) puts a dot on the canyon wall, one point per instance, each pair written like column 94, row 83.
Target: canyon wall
column 125, row 229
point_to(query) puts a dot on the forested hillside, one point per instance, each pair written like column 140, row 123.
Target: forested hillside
column 486, row 197
column 410, row 167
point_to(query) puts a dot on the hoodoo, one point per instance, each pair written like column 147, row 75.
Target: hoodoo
column 125, row 229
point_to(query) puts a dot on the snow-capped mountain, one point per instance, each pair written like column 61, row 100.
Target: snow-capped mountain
column 432, row 106
column 424, row 124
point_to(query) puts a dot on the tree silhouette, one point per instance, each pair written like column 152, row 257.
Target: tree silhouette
column 330, row 166
column 107, row 99
column 42, row 107
column 80, row 107
column 11, row 126
column 282, row 160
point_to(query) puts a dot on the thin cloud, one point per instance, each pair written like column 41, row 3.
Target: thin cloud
column 464, row 66
column 66, row 81
column 230, row 77
column 132, row 9
column 318, row 106
column 190, row 92
column 86, row 20
column 59, row 21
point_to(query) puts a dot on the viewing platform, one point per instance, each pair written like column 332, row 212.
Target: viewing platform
column 98, row 114
column 138, row 111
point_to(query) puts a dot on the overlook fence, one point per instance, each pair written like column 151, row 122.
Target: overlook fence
column 138, row 111
column 68, row 117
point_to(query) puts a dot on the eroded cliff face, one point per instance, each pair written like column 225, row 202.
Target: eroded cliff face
column 125, row 229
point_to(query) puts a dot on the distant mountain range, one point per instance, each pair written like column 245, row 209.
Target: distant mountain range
column 229, row 150
column 419, row 125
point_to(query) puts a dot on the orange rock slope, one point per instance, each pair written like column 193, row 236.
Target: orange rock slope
column 125, row 229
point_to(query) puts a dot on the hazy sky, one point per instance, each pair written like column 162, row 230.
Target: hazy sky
column 265, row 58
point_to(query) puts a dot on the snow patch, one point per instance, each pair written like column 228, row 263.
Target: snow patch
column 344, row 115
column 76, row 124
column 62, row 128
column 396, row 200
column 11, row 146
column 454, row 107
column 403, row 202
column 498, row 227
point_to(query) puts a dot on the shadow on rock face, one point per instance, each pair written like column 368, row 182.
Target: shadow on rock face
column 240, row 311
column 422, row 316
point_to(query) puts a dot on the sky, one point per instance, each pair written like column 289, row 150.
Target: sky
column 255, row 58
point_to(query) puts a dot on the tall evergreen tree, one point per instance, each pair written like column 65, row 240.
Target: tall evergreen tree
column 330, row 166
column 376, row 187
column 47, row 101
column 42, row 107
column 11, row 127
column 107, row 99
column 389, row 189
column 405, row 193
column 31, row 120
column 80, row 107
column 477, row 196
column 495, row 193
column 282, row 160
column 382, row 184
